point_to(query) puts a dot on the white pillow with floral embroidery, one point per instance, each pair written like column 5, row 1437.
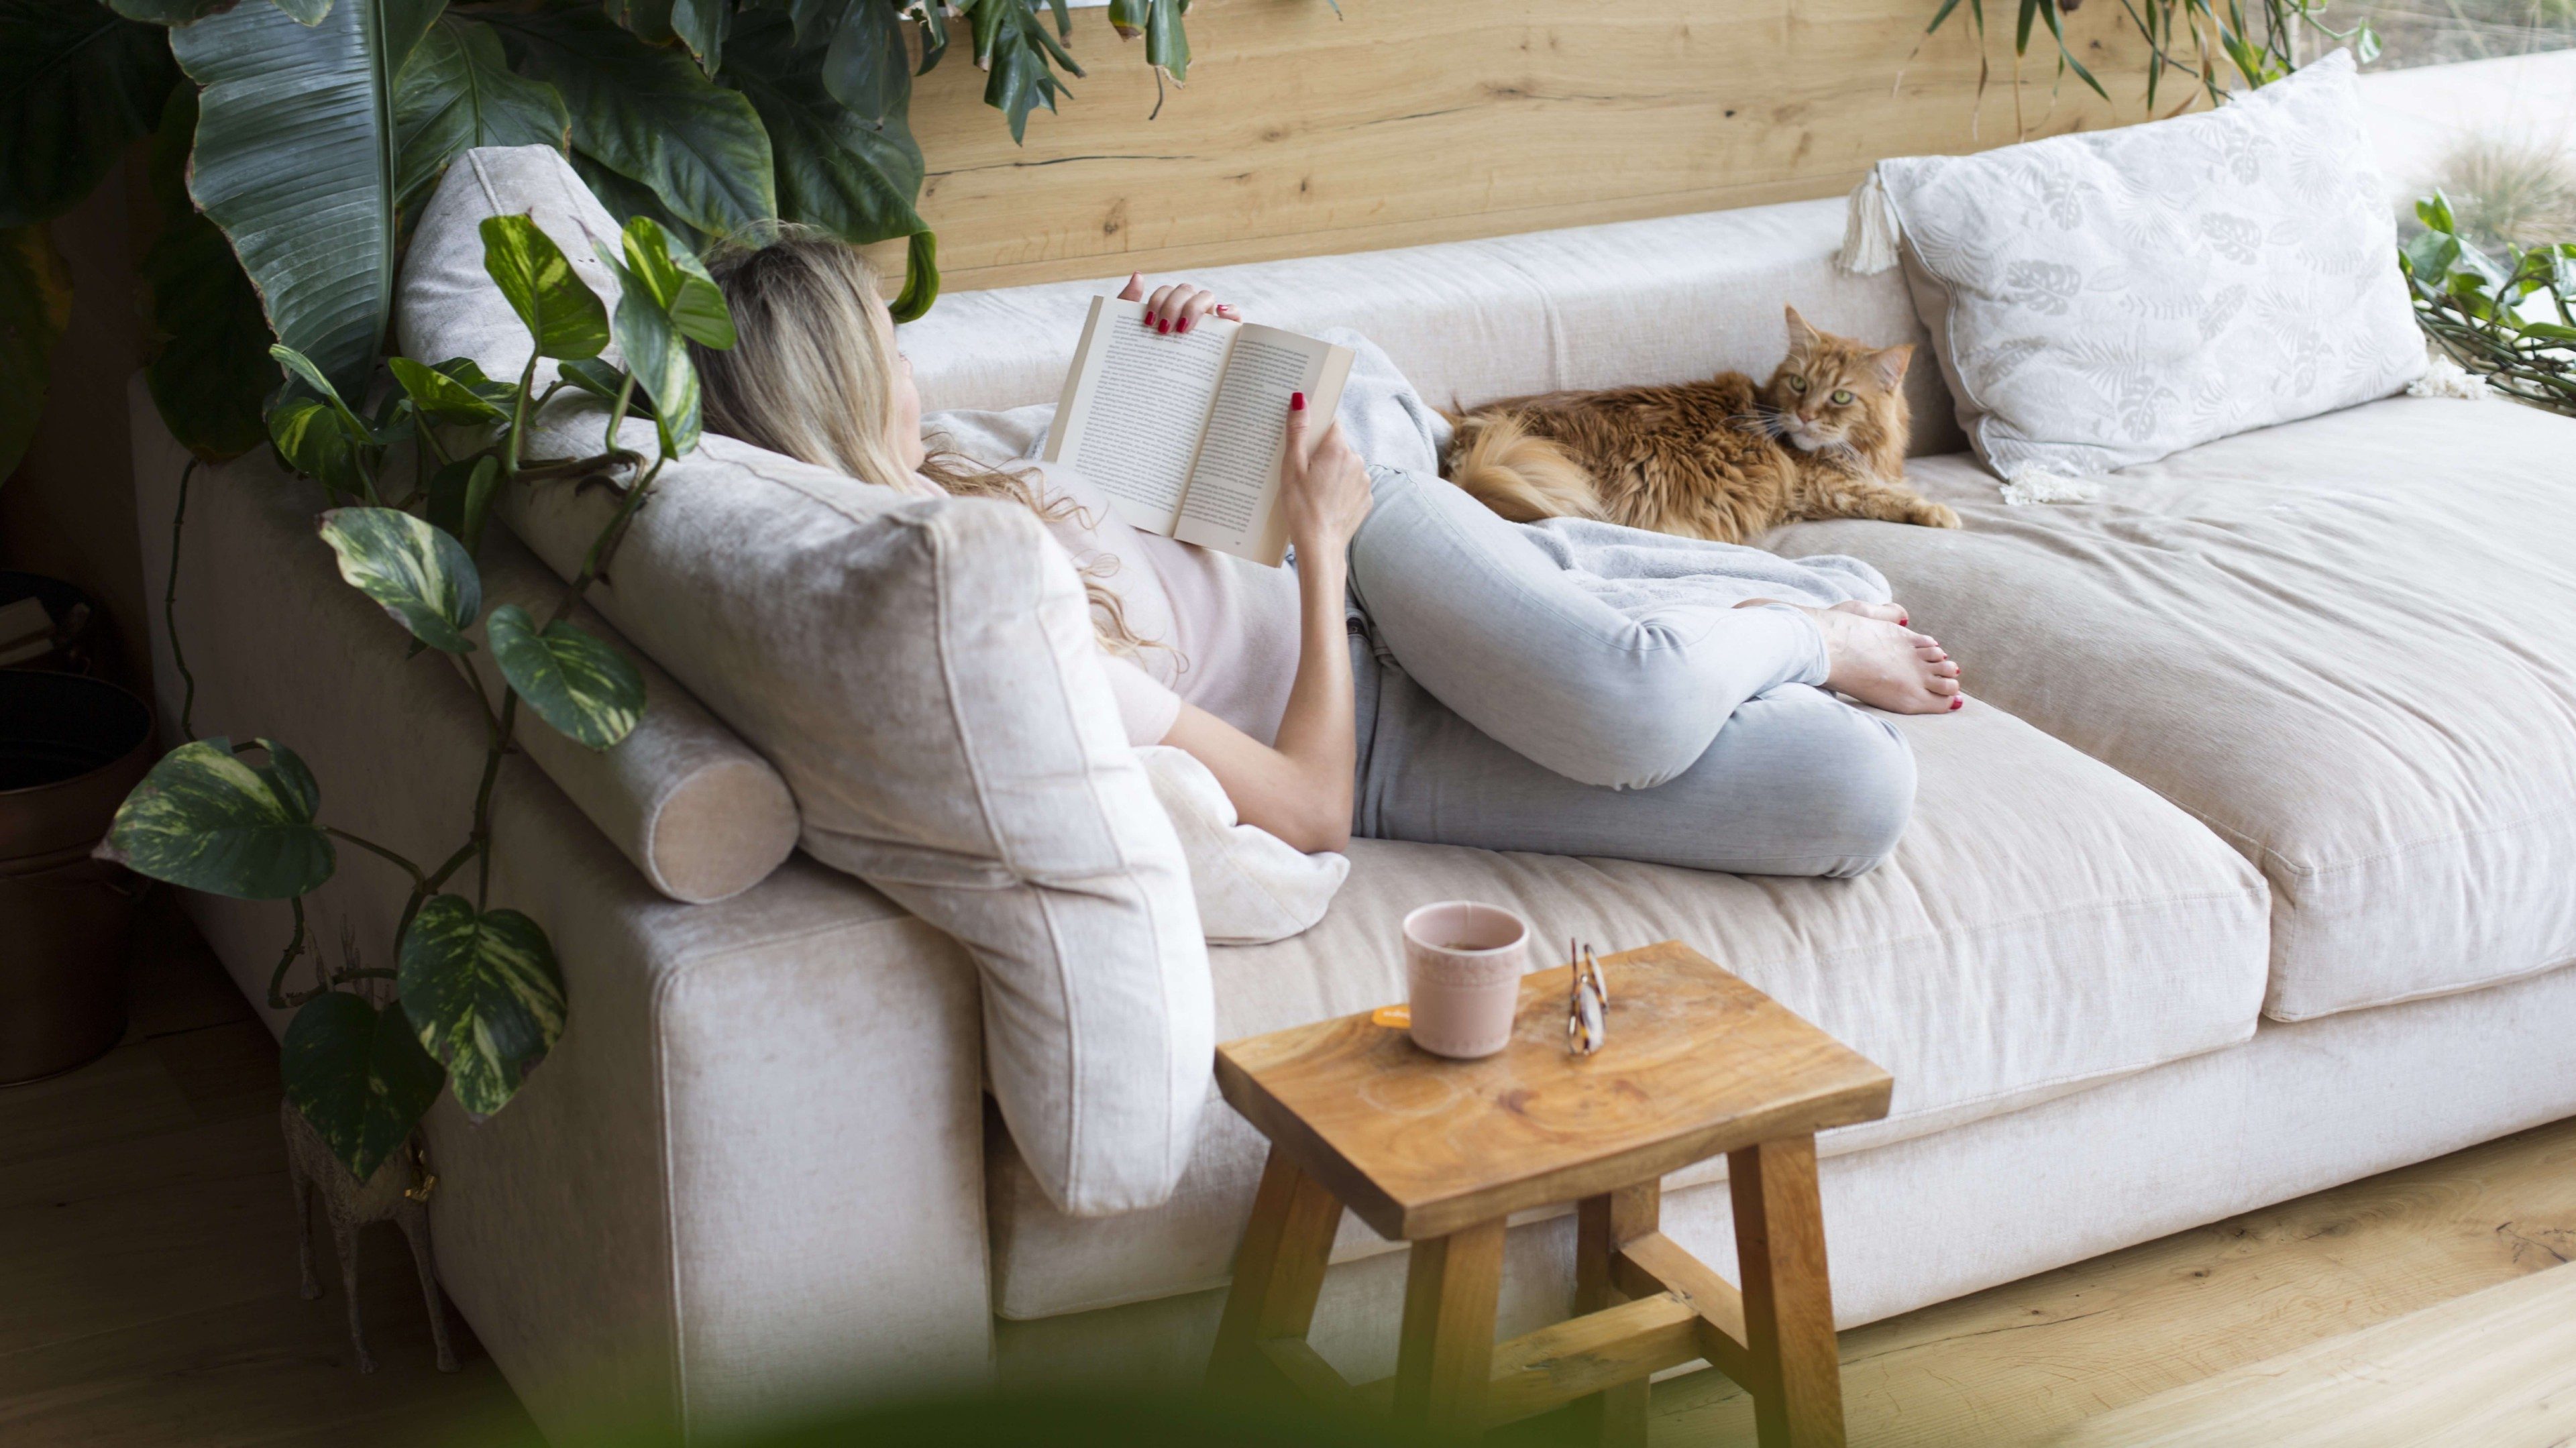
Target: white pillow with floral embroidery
column 2103, row 299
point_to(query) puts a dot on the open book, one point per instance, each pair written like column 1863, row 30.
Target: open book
column 1185, row 431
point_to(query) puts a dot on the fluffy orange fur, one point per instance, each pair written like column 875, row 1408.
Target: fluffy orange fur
column 1720, row 459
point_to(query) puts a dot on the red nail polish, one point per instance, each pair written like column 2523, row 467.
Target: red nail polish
column 1296, row 402
column 1184, row 325
column 1162, row 326
column 1958, row 701
column 1149, row 321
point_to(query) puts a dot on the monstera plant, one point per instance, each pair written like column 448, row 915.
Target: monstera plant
column 293, row 142
column 473, row 999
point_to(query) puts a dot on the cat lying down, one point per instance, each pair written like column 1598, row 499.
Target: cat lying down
column 1720, row 459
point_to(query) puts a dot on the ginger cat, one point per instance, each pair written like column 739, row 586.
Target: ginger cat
column 1721, row 459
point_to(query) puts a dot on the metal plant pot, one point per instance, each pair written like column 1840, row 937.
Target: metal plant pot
column 71, row 748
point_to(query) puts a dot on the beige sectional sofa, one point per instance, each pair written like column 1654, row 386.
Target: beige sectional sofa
column 2248, row 872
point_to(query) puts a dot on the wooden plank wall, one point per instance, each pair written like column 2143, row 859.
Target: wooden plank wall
column 1411, row 121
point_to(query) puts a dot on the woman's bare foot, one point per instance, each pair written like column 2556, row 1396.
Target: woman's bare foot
column 1886, row 665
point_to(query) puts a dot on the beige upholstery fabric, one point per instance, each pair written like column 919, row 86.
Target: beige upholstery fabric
column 2299, row 1108
column 923, row 674
column 2044, row 925
column 701, row 814
column 747, row 1176
column 2341, row 643
column 1597, row 306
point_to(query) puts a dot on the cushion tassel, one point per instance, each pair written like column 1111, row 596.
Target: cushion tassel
column 1870, row 229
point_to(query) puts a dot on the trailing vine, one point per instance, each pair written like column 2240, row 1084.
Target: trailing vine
column 477, row 997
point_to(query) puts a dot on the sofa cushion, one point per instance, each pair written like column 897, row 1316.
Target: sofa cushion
column 2341, row 643
column 2045, row 925
column 922, row 673
column 2111, row 297
column 1666, row 300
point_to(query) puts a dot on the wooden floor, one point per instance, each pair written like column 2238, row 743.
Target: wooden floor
column 148, row 1286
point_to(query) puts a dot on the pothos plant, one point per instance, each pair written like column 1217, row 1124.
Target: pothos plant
column 2510, row 320
column 476, row 997
column 294, row 142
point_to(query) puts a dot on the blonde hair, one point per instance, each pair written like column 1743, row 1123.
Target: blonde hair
column 811, row 375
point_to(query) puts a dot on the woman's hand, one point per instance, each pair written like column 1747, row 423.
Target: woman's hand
column 1323, row 486
column 1174, row 307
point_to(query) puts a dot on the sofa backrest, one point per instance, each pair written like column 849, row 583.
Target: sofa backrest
column 1633, row 302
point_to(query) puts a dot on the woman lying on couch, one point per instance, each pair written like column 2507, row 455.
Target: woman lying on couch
column 1426, row 670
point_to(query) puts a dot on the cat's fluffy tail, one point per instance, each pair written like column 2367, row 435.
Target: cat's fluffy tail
column 1521, row 477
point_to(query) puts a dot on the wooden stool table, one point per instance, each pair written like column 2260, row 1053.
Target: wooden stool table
column 1439, row 1153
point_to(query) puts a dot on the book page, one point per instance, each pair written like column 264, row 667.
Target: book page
column 1134, row 408
column 1231, row 500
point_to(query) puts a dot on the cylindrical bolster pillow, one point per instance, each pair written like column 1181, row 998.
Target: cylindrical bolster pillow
column 697, row 810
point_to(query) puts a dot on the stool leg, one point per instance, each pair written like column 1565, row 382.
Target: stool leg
column 1788, row 1304
column 1604, row 1224
column 1447, row 1351
column 1278, row 1273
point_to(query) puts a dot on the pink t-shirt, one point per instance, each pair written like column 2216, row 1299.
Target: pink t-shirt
column 1221, row 632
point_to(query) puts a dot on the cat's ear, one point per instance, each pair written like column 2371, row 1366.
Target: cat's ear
column 1890, row 364
column 1802, row 338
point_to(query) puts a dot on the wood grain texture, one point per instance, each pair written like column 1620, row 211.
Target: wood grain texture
column 2495, row 1368
column 1796, row 1364
column 1595, row 1355
column 1697, row 1063
column 1278, row 1273
column 1615, row 1418
column 2020, row 1361
column 1409, row 121
column 1445, row 1355
column 1657, row 1263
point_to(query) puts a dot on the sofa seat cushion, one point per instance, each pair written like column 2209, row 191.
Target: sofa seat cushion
column 2044, row 925
column 2342, row 643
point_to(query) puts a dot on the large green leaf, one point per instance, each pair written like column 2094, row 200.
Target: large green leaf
column 458, row 92
column 657, row 355
column 561, row 311
column 679, row 283
column 78, row 84
column 484, row 991
column 295, row 161
column 650, row 114
column 419, row 574
column 587, row 690
column 627, row 200
column 865, row 67
column 442, row 398
column 207, row 360
column 315, row 438
column 702, row 26
column 460, row 498
column 359, row 1075
column 852, row 177
column 206, row 819
column 35, row 307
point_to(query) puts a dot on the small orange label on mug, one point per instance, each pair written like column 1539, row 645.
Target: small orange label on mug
column 1397, row 1016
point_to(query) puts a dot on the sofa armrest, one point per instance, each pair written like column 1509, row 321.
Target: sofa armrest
column 751, row 1172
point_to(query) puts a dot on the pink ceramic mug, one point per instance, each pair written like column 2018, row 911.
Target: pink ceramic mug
column 1463, row 964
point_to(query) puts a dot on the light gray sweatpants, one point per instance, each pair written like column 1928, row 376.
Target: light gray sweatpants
column 1512, row 698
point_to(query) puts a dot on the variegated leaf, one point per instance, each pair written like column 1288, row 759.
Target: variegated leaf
column 207, row 819
column 441, row 397
column 359, row 1076
column 421, row 576
column 561, row 313
column 587, row 690
column 483, row 990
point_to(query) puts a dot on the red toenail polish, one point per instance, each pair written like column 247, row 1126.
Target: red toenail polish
column 1958, row 703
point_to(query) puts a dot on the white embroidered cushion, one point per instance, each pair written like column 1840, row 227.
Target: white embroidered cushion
column 2111, row 298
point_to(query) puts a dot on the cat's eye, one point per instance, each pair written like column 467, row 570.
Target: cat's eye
column 1842, row 396
column 1797, row 384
